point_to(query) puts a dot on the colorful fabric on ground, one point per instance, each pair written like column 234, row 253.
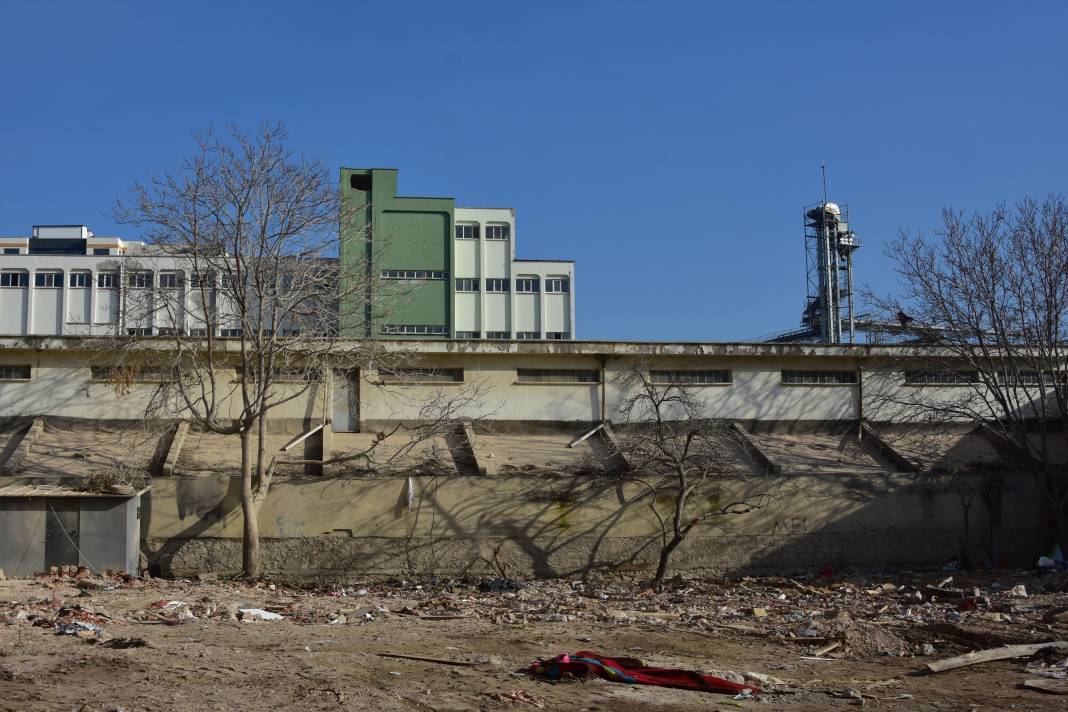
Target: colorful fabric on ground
column 631, row 670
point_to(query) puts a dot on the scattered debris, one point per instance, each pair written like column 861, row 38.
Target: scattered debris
column 516, row 696
column 250, row 615
column 1053, row 687
column 439, row 661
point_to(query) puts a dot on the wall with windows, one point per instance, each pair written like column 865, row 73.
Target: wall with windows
column 513, row 381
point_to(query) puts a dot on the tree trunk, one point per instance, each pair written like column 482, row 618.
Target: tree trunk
column 250, row 550
column 665, row 557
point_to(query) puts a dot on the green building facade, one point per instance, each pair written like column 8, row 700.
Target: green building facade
column 407, row 258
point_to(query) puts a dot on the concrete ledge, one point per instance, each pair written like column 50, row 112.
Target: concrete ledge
column 14, row 462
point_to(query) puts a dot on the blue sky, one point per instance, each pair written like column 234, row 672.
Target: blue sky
column 667, row 147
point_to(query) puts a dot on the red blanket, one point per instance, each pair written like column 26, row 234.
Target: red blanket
column 588, row 664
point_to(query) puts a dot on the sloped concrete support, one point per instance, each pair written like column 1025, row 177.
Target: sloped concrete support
column 753, row 448
column 175, row 450
column 887, row 450
column 461, row 440
column 14, row 462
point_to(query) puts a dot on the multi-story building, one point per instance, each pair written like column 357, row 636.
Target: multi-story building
column 460, row 274
column 455, row 269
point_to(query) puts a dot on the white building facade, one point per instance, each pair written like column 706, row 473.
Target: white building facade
column 498, row 296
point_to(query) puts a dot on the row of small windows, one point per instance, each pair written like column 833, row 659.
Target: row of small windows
column 422, row 329
column 104, row 280
column 553, row 285
column 413, row 274
column 522, row 335
column 468, row 231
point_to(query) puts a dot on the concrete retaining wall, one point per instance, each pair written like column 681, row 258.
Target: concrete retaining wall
column 565, row 526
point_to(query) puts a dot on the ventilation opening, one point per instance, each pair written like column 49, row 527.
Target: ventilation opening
column 360, row 181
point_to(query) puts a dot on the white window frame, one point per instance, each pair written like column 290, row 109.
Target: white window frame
column 52, row 279
column 498, row 231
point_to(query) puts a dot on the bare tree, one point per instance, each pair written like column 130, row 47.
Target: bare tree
column 246, row 302
column 985, row 309
column 672, row 448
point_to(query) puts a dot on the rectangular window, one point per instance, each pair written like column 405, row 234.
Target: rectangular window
column 526, row 335
column 230, row 333
column 819, row 378
column 48, row 279
column 526, row 284
column 140, row 374
column 98, row 251
column 11, row 250
column 10, row 372
column 498, row 232
column 467, row 232
column 466, row 284
column 170, row 280
column 426, row 329
column 494, row 284
column 556, row 375
column 13, row 279
column 139, row 331
column 468, row 335
column 196, row 281
column 498, row 335
column 107, row 280
column 225, row 280
column 557, row 335
column 166, row 331
column 79, row 279
column 139, row 280
column 423, row 375
column 698, row 378
column 413, row 274
column 201, row 333
column 941, row 378
column 557, row 285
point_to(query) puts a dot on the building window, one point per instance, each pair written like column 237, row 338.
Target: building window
column 498, row 232
column 140, row 331
column 557, row 285
column 166, row 331
column 468, row 335
column 196, row 281
column 556, row 375
column 466, row 284
column 941, row 378
column 467, row 232
column 429, row 329
column 141, row 374
column 819, row 378
column 526, row 284
column 423, row 375
column 139, row 280
column 691, row 378
column 498, row 335
column 11, row 250
column 170, row 280
column 494, row 284
column 230, row 333
column 10, row 372
column 557, row 335
column 101, row 251
column 48, row 279
column 413, row 274
column 79, row 279
column 13, row 279
column 107, row 280
column 198, row 332
column 526, row 335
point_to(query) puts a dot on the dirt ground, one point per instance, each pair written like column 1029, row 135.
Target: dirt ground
column 82, row 642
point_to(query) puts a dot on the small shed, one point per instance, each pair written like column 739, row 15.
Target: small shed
column 49, row 524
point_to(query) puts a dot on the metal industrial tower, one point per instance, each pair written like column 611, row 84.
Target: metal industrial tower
column 829, row 246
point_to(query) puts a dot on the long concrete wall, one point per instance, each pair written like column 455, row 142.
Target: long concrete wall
column 564, row 526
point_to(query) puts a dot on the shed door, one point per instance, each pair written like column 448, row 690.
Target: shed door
column 61, row 532
column 346, row 400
